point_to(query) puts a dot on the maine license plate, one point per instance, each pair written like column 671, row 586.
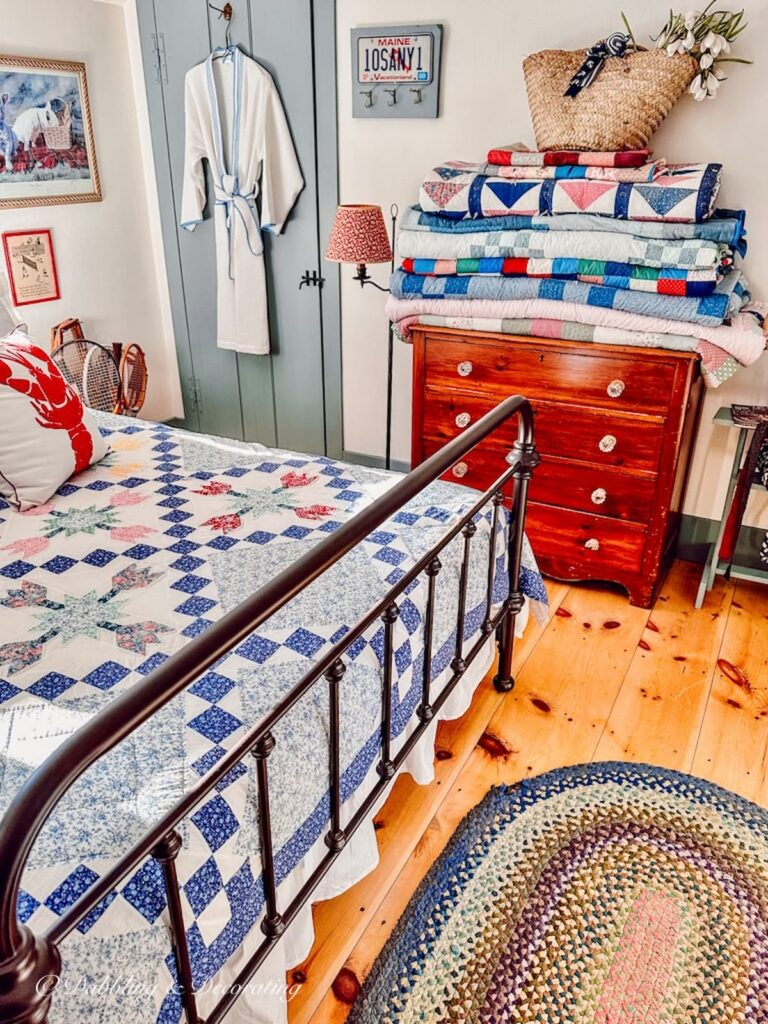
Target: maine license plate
column 394, row 58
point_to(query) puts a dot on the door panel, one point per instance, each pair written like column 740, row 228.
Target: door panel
column 257, row 407
column 184, row 33
column 153, row 78
column 283, row 45
column 284, row 398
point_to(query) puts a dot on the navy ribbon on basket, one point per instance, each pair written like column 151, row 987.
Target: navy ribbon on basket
column 615, row 45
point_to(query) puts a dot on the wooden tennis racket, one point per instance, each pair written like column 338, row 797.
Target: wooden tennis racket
column 133, row 378
column 91, row 370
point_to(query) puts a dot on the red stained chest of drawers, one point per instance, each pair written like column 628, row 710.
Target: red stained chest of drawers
column 615, row 426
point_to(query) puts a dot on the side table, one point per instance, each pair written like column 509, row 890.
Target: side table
column 714, row 565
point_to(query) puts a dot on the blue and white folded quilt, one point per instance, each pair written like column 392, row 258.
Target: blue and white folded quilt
column 725, row 226
column 685, row 253
column 126, row 563
column 685, row 192
column 710, row 310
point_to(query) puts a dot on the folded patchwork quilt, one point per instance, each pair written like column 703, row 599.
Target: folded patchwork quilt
column 663, row 280
column 725, row 226
column 683, row 193
column 743, row 338
column 517, row 155
column 710, row 310
column 684, row 253
column 643, row 172
column 717, row 366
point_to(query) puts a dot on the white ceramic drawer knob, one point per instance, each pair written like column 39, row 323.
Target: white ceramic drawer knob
column 464, row 369
column 616, row 388
column 607, row 443
column 463, row 420
column 598, row 496
column 593, row 544
column 460, row 469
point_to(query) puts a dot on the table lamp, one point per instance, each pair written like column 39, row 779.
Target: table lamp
column 359, row 235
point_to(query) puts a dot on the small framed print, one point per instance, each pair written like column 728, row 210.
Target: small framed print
column 31, row 266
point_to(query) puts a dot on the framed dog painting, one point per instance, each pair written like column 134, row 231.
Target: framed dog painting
column 47, row 153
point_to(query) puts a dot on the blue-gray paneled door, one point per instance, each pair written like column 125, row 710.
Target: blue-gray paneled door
column 292, row 397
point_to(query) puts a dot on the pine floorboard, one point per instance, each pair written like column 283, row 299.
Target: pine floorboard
column 674, row 686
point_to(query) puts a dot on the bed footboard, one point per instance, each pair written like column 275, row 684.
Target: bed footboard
column 30, row 964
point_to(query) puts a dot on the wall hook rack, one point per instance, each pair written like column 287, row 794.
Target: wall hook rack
column 226, row 13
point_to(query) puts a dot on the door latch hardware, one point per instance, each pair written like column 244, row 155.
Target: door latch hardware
column 311, row 278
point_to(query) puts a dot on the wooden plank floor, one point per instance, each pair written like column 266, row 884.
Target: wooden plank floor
column 676, row 686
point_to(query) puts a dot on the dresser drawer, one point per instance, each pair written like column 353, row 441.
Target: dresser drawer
column 589, row 377
column 570, row 431
column 573, row 544
column 572, row 485
column 598, row 489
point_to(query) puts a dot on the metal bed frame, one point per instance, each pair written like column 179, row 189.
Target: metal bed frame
column 29, row 963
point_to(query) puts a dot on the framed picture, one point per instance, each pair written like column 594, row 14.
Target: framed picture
column 31, row 266
column 47, row 153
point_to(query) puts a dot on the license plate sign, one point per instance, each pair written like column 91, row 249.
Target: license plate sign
column 398, row 58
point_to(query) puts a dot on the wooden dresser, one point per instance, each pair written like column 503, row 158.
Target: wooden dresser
column 615, row 427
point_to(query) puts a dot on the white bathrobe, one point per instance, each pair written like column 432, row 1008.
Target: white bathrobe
column 235, row 121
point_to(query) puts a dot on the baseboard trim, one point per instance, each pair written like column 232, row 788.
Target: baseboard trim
column 374, row 461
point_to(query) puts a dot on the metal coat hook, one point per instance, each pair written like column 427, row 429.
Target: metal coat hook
column 226, row 13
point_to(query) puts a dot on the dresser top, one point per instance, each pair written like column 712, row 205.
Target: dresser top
column 473, row 337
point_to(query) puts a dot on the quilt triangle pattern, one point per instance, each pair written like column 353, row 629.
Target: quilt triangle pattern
column 442, row 192
column 662, row 200
column 446, row 173
column 583, row 193
column 509, row 192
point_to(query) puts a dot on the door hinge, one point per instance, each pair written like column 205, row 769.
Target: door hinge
column 194, row 393
column 159, row 58
column 156, row 57
column 311, row 278
column 163, row 58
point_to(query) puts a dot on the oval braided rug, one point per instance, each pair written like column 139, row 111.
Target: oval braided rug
column 609, row 893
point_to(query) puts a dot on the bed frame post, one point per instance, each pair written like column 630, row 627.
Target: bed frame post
column 526, row 457
column 29, row 973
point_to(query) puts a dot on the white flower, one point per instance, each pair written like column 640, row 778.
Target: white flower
column 712, row 84
column 675, row 47
column 690, row 41
column 690, row 19
column 716, row 44
column 706, row 61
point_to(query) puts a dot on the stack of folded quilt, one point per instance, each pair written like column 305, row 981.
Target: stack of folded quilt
column 617, row 248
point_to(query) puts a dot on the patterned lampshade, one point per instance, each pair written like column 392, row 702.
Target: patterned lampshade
column 359, row 235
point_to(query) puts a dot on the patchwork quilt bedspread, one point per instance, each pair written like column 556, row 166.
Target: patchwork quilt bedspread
column 126, row 563
column 683, row 193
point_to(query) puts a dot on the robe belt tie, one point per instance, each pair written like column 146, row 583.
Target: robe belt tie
column 239, row 207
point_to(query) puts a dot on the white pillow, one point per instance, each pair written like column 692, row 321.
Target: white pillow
column 46, row 434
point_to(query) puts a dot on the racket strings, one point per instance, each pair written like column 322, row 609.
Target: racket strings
column 90, row 369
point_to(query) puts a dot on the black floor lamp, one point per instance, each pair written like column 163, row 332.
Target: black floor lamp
column 359, row 236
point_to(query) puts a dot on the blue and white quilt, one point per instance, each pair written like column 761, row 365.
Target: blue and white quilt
column 125, row 564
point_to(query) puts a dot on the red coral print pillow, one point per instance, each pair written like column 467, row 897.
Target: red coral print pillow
column 46, row 434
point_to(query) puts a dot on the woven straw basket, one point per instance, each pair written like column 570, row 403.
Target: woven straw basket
column 621, row 109
column 59, row 137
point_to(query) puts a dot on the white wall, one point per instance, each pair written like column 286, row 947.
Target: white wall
column 105, row 254
column 483, row 102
